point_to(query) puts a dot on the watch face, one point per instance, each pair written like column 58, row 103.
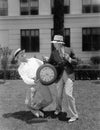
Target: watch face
column 47, row 74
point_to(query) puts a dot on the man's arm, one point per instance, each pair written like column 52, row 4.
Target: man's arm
column 70, row 55
column 25, row 78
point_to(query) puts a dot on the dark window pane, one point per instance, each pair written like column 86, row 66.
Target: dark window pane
column 35, row 40
column 34, row 11
column 24, row 1
column 86, row 9
column 3, row 7
column 67, row 41
column 96, row 8
column 86, row 39
column 24, row 41
column 91, row 39
column 96, row 38
column 35, row 44
column 52, row 34
column 66, row 9
column 67, row 37
column 87, row 43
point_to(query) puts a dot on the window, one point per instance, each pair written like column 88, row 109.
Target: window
column 3, row 7
column 91, row 39
column 29, row 7
column 91, row 6
column 66, row 6
column 30, row 40
column 66, row 36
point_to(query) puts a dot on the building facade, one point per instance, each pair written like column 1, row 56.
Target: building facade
column 29, row 23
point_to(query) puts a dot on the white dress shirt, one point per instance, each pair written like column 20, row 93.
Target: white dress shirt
column 27, row 70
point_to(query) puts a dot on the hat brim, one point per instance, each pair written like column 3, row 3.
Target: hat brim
column 59, row 42
column 19, row 52
column 22, row 51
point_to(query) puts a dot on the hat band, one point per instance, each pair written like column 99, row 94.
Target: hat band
column 18, row 53
column 58, row 40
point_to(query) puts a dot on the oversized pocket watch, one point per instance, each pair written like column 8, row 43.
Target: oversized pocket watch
column 47, row 74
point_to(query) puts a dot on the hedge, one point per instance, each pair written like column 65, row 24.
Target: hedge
column 87, row 74
column 80, row 74
column 10, row 74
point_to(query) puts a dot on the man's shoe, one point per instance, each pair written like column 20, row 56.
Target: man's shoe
column 38, row 113
column 72, row 119
column 56, row 112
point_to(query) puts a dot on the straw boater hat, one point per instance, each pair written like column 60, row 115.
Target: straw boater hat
column 58, row 39
column 17, row 52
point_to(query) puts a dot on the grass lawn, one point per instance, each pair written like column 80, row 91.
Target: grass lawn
column 13, row 112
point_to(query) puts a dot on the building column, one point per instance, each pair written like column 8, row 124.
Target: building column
column 44, row 7
column 75, row 6
column 13, row 7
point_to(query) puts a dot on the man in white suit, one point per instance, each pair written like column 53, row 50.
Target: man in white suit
column 38, row 96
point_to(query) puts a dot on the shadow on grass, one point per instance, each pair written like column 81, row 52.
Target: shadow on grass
column 2, row 82
column 26, row 116
column 97, row 82
column 29, row 118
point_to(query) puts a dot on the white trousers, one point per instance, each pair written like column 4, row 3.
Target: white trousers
column 38, row 97
column 66, row 84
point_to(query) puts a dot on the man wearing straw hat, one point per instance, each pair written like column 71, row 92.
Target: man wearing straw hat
column 62, row 58
column 38, row 96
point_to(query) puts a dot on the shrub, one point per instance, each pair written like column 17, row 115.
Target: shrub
column 10, row 74
column 95, row 59
column 5, row 53
column 84, row 66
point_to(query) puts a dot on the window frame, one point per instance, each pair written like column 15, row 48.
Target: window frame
column 88, row 39
column 91, row 8
column 29, row 8
column 29, row 40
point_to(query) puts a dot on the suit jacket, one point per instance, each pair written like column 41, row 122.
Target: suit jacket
column 69, row 51
column 70, row 65
column 60, row 63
